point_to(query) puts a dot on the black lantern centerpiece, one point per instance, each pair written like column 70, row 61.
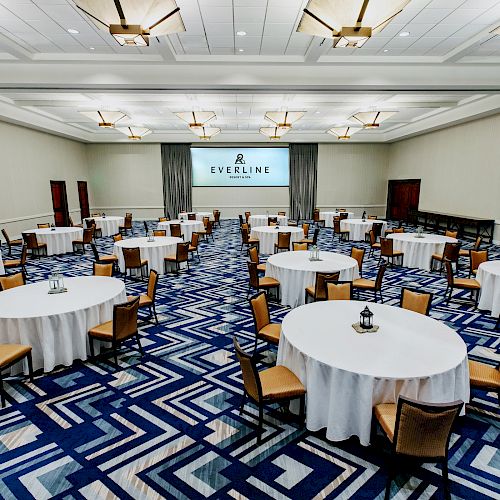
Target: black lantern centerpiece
column 366, row 319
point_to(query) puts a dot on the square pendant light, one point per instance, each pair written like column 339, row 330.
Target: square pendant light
column 135, row 133
column 105, row 119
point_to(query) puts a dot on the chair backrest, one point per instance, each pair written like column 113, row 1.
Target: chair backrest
column 152, row 284
column 386, row 247
column 247, row 215
column 341, row 210
column 245, row 226
column 182, row 252
column 30, row 240
column 175, row 230
column 272, row 221
column 191, row 216
column 373, row 238
column 449, row 272
column 477, row 257
column 103, row 269
column 319, row 286
column 244, row 235
column 315, row 236
column 451, row 234
column 415, row 300
column 260, row 311
column 6, row 236
column 253, row 254
column 358, row 254
column 343, row 215
column 398, row 230
column 477, row 243
column 45, row 225
column 452, row 251
column 159, row 232
column 95, row 251
column 372, row 217
column 195, row 238
column 132, row 257
column 423, row 430
column 162, row 219
column 251, row 379
column 305, row 228
column 336, row 226
column 128, row 221
column 296, row 246
column 117, row 237
column 208, row 225
column 216, row 215
column 89, row 222
column 24, row 254
column 253, row 274
column 380, row 276
column 377, row 228
column 125, row 319
column 284, row 240
column 340, row 290
column 12, row 281
column 315, row 215
column 88, row 234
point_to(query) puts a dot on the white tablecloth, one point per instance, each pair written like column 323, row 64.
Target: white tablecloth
column 56, row 326
column 295, row 272
column 2, row 270
column 261, row 220
column 153, row 251
column 359, row 228
column 199, row 215
column 488, row 275
column 328, row 217
column 108, row 225
column 346, row 373
column 418, row 251
column 188, row 227
column 268, row 236
column 58, row 241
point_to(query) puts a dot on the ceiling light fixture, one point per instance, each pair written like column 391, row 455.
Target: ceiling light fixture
column 273, row 133
column 404, row 33
column 350, row 23
column 135, row 133
column 343, row 133
column 105, row 119
column 241, row 33
column 241, row 50
column 284, row 119
column 131, row 22
column 205, row 133
column 372, row 119
column 73, row 31
column 196, row 119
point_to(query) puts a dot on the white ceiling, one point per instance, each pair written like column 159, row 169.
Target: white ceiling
column 446, row 71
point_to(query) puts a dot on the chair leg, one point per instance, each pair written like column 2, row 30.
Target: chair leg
column 115, row 355
column 302, row 414
column 446, row 481
column 91, row 345
column 261, row 423
column 242, row 404
column 2, row 391
column 154, row 312
column 30, row 367
column 139, row 343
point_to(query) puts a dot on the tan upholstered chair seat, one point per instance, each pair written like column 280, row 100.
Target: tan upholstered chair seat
column 474, row 272
column 144, row 300
column 467, row 283
column 464, row 253
column 437, row 256
column 310, row 290
column 397, row 252
column 261, row 267
column 108, row 258
column 309, row 241
column 253, row 240
column 386, row 415
column 103, row 331
column 11, row 352
column 363, row 283
column 483, row 375
column 376, row 245
column 11, row 263
column 263, row 282
column 271, row 333
column 280, row 382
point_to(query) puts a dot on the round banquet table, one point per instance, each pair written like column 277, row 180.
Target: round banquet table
column 261, row 220
column 58, row 241
column 358, row 227
column 188, row 227
column 418, row 251
column 56, row 325
column 268, row 236
column 2, row 269
column 295, row 272
column 152, row 251
column 328, row 217
column 109, row 225
column 199, row 215
column 346, row 373
column 488, row 274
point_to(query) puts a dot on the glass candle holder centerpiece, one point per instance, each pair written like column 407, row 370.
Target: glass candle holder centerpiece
column 56, row 283
column 420, row 232
column 151, row 236
column 314, row 253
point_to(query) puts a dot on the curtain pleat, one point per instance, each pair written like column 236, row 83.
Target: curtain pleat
column 177, row 178
column 303, row 177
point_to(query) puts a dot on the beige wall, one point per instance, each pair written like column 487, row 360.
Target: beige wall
column 459, row 167
column 29, row 160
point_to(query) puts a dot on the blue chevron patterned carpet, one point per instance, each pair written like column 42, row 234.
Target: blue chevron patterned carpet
column 167, row 425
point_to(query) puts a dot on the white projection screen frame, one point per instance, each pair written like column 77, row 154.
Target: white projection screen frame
column 240, row 167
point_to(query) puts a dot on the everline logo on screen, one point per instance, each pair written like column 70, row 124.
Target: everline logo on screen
column 231, row 170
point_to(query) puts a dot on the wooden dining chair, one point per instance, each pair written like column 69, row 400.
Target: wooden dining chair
column 311, row 241
column 102, row 269
column 253, row 255
column 485, row 377
column 415, row 300
column 133, row 261
column 264, row 329
column 338, row 290
column 181, row 256
column 477, row 257
column 283, row 242
column 10, row 354
column 342, row 234
column 21, row 262
column 104, row 259
column 318, row 290
column 316, row 219
column 387, row 251
column 470, row 284
column 127, row 225
column 358, row 254
column 451, row 253
column 148, row 300
column 117, row 237
column 88, row 236
column 191, row 216
column 176, row 231
column 371, row 285
column 208, row 231
column 12, row 281
column 247, row 240
column 465, row 252
column 374, row 244
column 266, row 283
column 11, row 243
column 37, row 249
column 193, row 246
column 216, row 218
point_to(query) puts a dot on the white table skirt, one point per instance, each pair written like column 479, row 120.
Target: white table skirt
column 268, row 236
column 199, row 215
column 2, row 269
column 346, row 374
column 261, row 220
column 418, row 251
column 109, row 225
column 153, row 251
column 56, row 326
column 58, row 241
column 188, row 227
column 295, row 272
column 358, row 228
column 328, row 217
column 488, row 275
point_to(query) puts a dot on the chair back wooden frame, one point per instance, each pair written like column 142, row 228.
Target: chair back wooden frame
column 283, row 241
column 175, row 230
column 406, row 294
column 320, row 284
column 102, row 269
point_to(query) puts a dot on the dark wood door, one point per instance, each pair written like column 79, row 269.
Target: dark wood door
column 402, row 197
column 60, row 203
column 83, row 196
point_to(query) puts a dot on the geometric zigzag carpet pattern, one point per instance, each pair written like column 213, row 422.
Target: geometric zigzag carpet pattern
column 167, row 425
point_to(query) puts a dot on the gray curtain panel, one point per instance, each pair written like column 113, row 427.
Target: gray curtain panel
column 303, row 175
column 177, row 178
